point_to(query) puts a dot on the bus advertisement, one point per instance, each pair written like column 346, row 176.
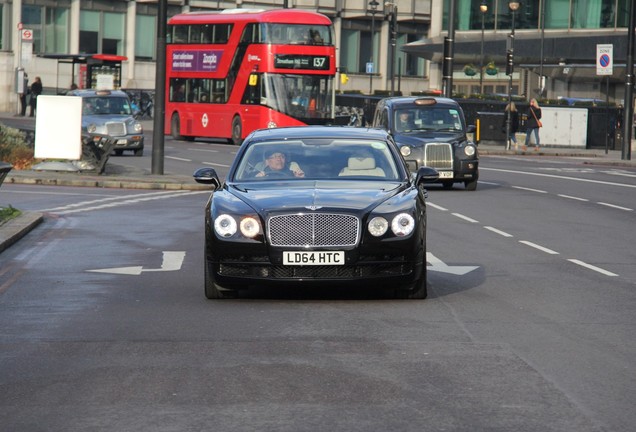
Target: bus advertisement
column 237, row 70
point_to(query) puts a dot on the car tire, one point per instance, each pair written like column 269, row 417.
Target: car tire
column 175, row 127
column 447, row 185
column 214, row 291
column 237, row 131
column 139, row 152
column 471, row 185
column 417, row 290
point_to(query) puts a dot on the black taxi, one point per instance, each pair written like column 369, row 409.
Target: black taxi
column 432, row 131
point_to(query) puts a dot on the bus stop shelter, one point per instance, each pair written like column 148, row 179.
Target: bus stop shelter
column 89, row 70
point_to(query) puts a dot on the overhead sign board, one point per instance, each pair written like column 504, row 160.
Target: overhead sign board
column 604, row 59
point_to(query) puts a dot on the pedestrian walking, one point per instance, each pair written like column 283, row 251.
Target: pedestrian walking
column 533, row 123
column 512, row 114
column 36, row 90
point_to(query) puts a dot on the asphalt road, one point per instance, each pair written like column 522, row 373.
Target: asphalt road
column 528, row 325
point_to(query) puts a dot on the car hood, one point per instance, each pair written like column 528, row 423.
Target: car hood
column 353, row 196
column 420, row 138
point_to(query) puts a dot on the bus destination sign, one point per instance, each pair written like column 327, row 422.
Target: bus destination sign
column 293, row 61
column 196, row 60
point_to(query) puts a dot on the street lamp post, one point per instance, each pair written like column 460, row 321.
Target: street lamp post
column 373, row 4
column 483, row 7
column 393, row 28
column 510, row 66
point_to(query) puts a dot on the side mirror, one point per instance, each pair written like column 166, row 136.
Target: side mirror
column 426, row 175
column 207, row 176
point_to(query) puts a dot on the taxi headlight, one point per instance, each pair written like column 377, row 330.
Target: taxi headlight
column 469, row 150
column 378, row 226
column 250, row 227
column 137, row 127
column 405, row 150
column 403, row 224
column 91, row 128
column 225, row 225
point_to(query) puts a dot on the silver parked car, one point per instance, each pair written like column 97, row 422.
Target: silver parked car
column 109, row 112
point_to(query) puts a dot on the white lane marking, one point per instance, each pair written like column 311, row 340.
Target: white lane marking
column 437, row 265
column 489, row 183
column 529, row 189
column 466, row 218
column 619, row 173
column 215, row 164
column 110, row 198
column 178, row 158
column 615, row 206
column 171, row 261
column 561, row 177
column 204, row 150
column 591, row 267
column 495, row 230
column 440, row 208
column 149, row 197
column 541, row 248
column 572, row 197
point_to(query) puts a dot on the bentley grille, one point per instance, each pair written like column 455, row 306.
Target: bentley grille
column 438, row 155
column 116, row 129
column 313, row 229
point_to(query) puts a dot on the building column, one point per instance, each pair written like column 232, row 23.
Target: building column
column 435, row 29
column 131, row 24
column 74, row 28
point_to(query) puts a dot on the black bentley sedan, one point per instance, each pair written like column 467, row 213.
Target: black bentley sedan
column 432, row 131
column 316, row 205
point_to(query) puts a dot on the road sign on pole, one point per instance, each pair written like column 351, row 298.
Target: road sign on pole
column 604, row 59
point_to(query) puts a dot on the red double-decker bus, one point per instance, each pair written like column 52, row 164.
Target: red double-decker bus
column 234, row 71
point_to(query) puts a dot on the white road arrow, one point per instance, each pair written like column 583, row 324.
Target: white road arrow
column 171, row 261
column 437, row 265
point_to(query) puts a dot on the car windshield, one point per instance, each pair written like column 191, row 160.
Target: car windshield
column 428, row 118
column 318, row 159
column 100, row 105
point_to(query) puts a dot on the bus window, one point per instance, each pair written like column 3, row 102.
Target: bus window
column 180, row 33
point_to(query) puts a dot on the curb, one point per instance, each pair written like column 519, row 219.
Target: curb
column 16, row 228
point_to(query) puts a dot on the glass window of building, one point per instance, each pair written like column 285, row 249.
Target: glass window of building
column 102, row 32
column 350, row 50
column 49, row 26
column 145, row 37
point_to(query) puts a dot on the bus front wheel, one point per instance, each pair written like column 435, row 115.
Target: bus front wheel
column 237, row 131
column 175, row 127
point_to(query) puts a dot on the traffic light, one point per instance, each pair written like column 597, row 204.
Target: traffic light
column 510, row 62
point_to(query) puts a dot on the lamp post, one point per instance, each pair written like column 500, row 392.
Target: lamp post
column 483, row 7
column 373, row 4
column 393, row 27
column 510, row 66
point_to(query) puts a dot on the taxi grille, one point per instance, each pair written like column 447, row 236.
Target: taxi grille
column 438, row 155
column 116, row 129
column 313, row 229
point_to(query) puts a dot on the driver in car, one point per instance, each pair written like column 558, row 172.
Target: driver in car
column 276, row 165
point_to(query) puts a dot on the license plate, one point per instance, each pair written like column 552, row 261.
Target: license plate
column 445, row 174
column 314, row 258
column 122, row 142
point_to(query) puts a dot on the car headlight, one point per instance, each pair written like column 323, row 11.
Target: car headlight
column 403, row 224
column 378, row 226
column 225, row 225
column 469, row 150
column 405, row 150
column 249, row 227
column 91, row 128
column 137, row 127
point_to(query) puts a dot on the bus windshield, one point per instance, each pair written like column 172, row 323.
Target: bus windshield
column 299, row 96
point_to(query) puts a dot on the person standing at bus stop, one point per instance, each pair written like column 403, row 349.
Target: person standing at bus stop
column 533, row 123
column 36, row 90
